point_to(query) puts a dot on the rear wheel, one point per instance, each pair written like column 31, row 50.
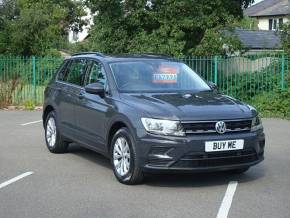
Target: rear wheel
column 124, row 159
column 54, row 140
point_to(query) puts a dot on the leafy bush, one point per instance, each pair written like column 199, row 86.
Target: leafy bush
column 276, row 104
column 29, row 105
column 246, row 85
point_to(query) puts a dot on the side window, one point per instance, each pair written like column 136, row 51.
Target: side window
column 63, row 71
column 76, row 72
column 97, row 74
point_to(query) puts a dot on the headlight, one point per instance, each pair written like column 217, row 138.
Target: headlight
column 256, row 123
column 163, row 127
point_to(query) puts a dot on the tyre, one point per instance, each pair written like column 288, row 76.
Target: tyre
column 53, row 138
column 239, row 171
column 124, row 159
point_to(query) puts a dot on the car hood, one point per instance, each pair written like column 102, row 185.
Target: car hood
column 200, row 106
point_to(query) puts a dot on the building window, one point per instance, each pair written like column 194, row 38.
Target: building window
column 270, row 24
column 275, row 23
column 280, row 23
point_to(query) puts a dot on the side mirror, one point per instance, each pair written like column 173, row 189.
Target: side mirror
column 95, row 88
column 212, row 85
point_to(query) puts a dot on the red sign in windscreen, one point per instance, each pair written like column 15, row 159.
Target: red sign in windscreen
column 165, row 74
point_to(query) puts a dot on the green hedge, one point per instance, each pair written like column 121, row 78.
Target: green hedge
column 276, row 104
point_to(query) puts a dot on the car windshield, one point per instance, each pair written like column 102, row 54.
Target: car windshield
column 156, row 76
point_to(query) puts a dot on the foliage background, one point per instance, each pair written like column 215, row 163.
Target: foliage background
column 175, row 27
column 38, row 27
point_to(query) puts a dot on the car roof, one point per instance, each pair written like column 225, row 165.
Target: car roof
column 122, row 57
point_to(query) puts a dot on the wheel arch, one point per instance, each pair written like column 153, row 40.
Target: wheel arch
column 114, row 126
column 46, row 111
column 113, row 129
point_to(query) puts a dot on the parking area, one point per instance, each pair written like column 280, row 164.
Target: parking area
column 36, row 183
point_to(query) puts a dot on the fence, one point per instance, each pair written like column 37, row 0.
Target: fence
column 23, row 79
column 244, row 76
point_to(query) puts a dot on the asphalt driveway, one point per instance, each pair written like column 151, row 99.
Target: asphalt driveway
column 36, row 183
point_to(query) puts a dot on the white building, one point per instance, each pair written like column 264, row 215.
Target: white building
column 271, row 14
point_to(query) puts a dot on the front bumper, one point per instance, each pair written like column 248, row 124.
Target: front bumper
column 187, row 154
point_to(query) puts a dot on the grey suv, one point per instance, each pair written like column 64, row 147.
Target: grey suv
column 149, row 113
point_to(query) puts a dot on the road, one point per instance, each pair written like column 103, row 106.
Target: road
column 81, row 183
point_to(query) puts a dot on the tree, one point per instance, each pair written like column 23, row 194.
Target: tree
column 40, row 27
column 174, row 27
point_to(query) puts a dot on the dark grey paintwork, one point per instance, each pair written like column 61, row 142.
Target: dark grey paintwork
column 201, row 106
column 88, row 118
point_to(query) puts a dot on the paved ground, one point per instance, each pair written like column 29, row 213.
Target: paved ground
column 81, row 183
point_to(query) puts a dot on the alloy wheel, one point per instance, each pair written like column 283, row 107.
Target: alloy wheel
column 51, row 132
column 121, row 155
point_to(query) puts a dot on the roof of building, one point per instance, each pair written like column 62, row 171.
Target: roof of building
column 269, row 8
column 258, row 39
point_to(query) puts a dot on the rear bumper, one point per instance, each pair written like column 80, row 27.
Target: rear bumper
column 187, row 154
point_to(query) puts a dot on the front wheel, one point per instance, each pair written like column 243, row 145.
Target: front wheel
column 53, row 138
column 124, row 159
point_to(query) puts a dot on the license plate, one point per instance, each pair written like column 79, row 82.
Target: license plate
column 228, row 145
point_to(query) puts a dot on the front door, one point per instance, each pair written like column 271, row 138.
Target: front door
column 92, row 110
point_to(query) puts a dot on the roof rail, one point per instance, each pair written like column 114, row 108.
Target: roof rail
column 89, row 53
column 156, row 55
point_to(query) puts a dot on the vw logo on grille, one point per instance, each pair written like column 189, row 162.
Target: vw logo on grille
column 220, row 127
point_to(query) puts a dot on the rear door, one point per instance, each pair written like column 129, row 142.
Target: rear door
column 71, row 83
column 92, row 110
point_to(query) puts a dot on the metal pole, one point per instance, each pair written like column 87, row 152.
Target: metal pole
column 283, row 72
column 215, row 69
column 34, row 76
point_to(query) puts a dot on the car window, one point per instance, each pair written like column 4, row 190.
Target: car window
column 97, row 74
column 156, row 76
column 63, row 71
column 76, row 72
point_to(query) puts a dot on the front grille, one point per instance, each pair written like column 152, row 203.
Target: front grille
column 199, row 127
column 236, row 153
column 216, row 159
